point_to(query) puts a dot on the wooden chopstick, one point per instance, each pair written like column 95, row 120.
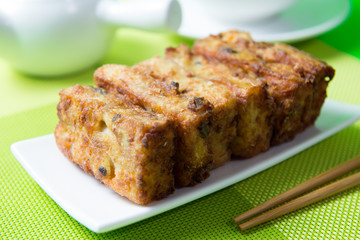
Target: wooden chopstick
column 300, row 189
column 305, row 200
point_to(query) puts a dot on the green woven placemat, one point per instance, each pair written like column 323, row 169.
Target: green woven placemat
column 27, row 212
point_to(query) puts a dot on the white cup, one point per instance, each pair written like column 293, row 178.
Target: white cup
column 240, row 11
column 59, row 37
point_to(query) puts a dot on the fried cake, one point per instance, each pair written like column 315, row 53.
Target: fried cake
column 296, row 81
column 127, row 148
column 224, row 119
column 254, row 107
column 192, row 115
column 167, row 121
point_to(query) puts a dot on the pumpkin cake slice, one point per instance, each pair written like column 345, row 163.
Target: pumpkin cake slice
column 295, row 80
column 225, row 115
column 127, row 148
column 192, row 115
column 253, row 105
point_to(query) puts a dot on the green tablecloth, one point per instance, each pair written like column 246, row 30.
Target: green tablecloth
column 28, row 109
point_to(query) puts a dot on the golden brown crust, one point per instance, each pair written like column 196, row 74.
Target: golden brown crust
column 126, row 148
column 192, row 115
column 253, row 105
column 174, row 69
column 295, row 80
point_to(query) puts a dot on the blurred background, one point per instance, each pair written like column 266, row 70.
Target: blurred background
column 300, row 21
column 328, row 29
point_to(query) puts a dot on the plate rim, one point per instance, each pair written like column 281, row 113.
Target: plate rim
column 290, row 36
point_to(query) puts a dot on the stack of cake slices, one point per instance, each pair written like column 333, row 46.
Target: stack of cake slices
column 168, row 121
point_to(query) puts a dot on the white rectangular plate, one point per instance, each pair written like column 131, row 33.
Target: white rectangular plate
column 80, row 194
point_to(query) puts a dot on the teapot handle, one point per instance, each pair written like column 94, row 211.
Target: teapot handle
column 160, row 15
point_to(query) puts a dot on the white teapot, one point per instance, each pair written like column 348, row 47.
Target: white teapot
column 59, row 37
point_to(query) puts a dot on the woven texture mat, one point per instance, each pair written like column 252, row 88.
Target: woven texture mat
column 27, row 212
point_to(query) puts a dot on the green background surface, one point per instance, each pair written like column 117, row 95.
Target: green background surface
column 28, row 109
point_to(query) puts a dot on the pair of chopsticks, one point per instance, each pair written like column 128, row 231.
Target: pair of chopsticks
column 307, row 199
